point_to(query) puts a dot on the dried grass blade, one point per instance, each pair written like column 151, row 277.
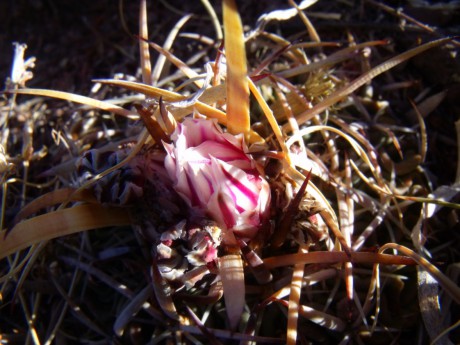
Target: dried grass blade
column 214, row 94
column 325, row 63
column 365, row 78
column 428, row 105
column 286, row 109
column 374, row 287
column 333, row 225
column 369, row 181
column 99, row 274
column 449, row 286
column 310, row 28
column 14, row 268
column 131, row 309
column 311, row 189
column 209, row 335
column 78, row 312
column 329, row 61
column 166, row 47
column 366, row 144
column 346, row 214
column 378, row 219
column 232, row 277
column 434, row 201
column 392, row 136
column 61, row 223
column 327, row 213
column 423, row 135
column 444, row 333
column 32, row 331
column 288, row 216
column 91, row 102
column 55, row 197
column 270, row 118
column 428, row 296
column 294, row 301
column 281, row 15
column 146, row 65
column 190, row 73
column 353, row 143
column 269, row 59
column 227, row 334
column 237, row 71
column 441, row 196
column 296, row 55
column 397, row 12
column 336, row 257
column 323, row 319
column 111, row 282
column 168, row 96
column 215, row 21
column 163, row 293
column 24, row 267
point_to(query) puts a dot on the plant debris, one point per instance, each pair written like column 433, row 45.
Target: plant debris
column 251, row 173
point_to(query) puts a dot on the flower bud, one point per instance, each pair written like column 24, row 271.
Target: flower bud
column 214, row 175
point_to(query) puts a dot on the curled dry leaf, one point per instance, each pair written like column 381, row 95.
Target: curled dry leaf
column 60, row 223
column 232, row 276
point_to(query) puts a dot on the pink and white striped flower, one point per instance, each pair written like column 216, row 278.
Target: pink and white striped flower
column 214, row 175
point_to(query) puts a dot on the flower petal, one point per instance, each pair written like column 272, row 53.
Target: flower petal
column 235, row 183
column 213, row 173
column 225, row 152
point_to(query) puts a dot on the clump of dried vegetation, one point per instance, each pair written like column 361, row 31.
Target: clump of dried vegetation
column 361, row 244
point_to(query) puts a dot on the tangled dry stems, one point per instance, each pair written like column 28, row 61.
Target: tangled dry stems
column 369, row 186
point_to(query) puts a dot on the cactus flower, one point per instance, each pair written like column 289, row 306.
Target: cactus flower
column 213, row 174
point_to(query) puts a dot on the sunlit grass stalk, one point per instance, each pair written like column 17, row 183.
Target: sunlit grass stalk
column 32, row 334
column 167, row 46
column 341, row 93
column 169, row 96
column 270, row 118
column 237, row 82
column 449, row 286
column 60, row 223
column 71, row 97
column 346, row 214
column 294, row 301
column 146, row 65
column 215, row 21
column 67, row 303
column 336, row 257
column 311, row 29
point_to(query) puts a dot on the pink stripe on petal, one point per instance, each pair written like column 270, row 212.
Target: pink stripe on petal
column 198, row 176
column 194, row 199
column 226, row 153
column 237, row 186
column 246, row 191
column 224, row 202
